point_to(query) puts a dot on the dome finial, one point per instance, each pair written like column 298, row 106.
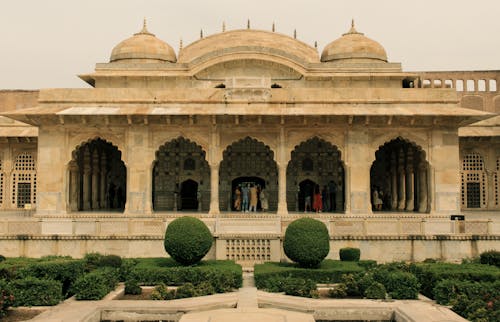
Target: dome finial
column 144, row 30
column 201, row 33
column 248, row 23
column 180, row 44
column 295, row 34
column 274, row 27
column 223, row 26
column 316, row 45
column 352, row 30
column 352, row 23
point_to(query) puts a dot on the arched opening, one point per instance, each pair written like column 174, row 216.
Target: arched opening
column 98, row 178
column 248, row 161
column 239, row 185
column 181, row 177
column 317, row 162
column 189, row 195
column 398, row 178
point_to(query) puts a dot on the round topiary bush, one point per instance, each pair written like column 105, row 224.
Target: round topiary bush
column 306, row 242
column 187, row 240
column 375, row 291
column 349, row 254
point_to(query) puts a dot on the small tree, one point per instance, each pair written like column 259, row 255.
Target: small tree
column 306, row 242
column 187, row 240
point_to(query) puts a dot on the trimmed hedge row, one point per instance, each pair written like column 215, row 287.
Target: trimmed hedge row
column 223, row 275
column 329, row 271
column 96, row 284
column 31, row 291
column 430, row 274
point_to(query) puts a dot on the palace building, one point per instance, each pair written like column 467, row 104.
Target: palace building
column 160, row 135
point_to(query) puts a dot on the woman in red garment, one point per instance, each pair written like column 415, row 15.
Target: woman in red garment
column 318, row 202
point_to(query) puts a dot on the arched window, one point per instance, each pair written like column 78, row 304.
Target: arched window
column 24, row 181
column 473, row 181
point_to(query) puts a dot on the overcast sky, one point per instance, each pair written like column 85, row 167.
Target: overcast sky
column 46, row 43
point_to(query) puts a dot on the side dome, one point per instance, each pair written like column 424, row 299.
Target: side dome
column 353, row 45
column 143, row 47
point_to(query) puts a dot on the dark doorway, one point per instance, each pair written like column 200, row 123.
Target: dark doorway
column 306, row 188
column 23, row 194
column 189, row 195
column 241, row 181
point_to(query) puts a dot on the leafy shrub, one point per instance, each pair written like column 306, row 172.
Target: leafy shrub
column 402, row 285
column 364, row 282
column 338, row 291
column 186, row 290
column 223, row 275
column 329, row 271
column 491, row 257
column 161, row 292
column 110, row 261
column 298, row 287
column 2, row 258
column 187, row 240
column 60, row 269
column 6, row 298
column 126, row 268
column 375, row 291
column 31, row 291
column 96, row 284
column 430, row 274
column 205, row 288
column 306, row 242
column 91, row 261
column 132, row 287
column 349, row 254
column 351, row 283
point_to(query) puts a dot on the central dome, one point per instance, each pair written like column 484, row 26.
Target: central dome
column 143, row 47
column 248, row 41
column 354, row 45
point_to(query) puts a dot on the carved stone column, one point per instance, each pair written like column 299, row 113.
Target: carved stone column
column 394, row 182
column 95, row 180
column 73, row 186
column 104, row 185
column 401, row 182
column 410, row 203
column 86, row 179
column 422, row 187
column 214, row 188
column 282, row 165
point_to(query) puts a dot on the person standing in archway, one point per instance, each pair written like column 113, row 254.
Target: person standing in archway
column 237, row 198
column 253, row 198
column 332, row 191
column 263, row 200
column 245, row 191
column 318, row 202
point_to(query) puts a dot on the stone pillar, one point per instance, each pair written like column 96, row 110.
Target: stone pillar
column 86, row 179
column 282, row 165
column 104, row 184
column 422, row 187
column 74, row 184
column 410, row 203
column 358, row 163
column 401, row 182
column 95, row 180
column 214, row 188
column 394, row 182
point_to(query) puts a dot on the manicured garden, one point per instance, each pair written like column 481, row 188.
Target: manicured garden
column 472, row 289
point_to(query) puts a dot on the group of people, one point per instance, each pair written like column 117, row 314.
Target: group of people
column 378, row 197
column 323, row 199
column 247, row 197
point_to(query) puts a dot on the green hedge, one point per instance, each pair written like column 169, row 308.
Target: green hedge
column 6, row 298
column 31, row 291
column 491, row 257
column 63, row 270
column 223, row 275
column 96, row 284
column 349, row 254
column 430, row 274
column 329, row 271
column 306, row 242
column 476, row 301
column 187, row 240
